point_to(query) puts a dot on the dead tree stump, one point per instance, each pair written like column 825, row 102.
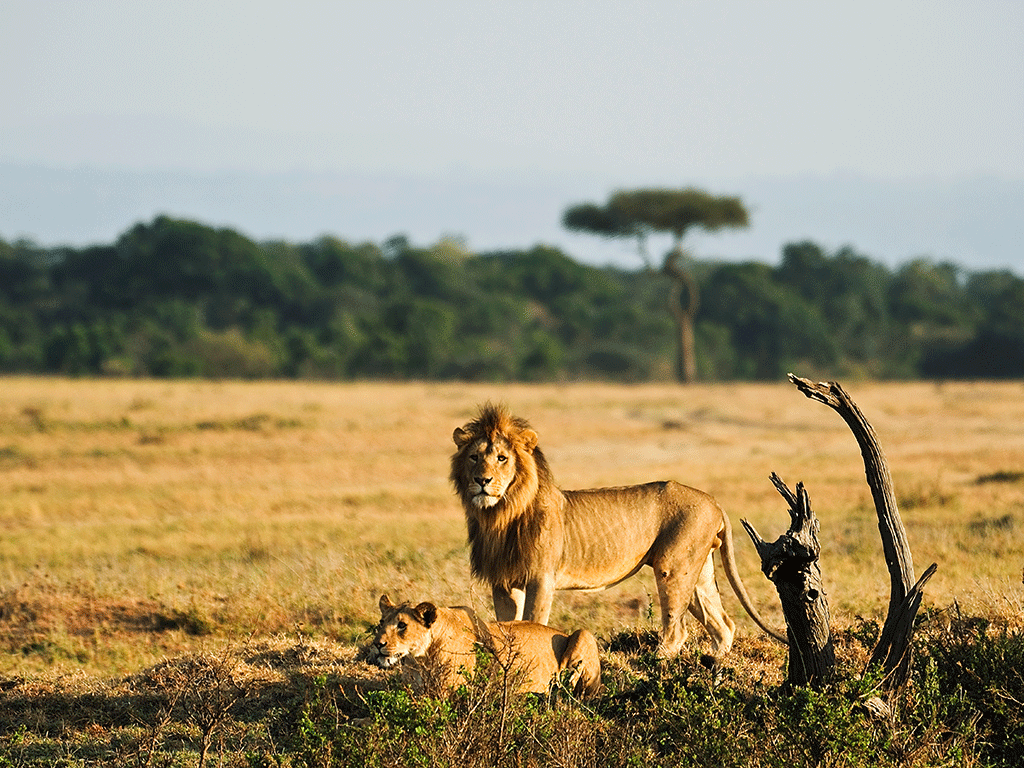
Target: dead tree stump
column 791, row 563
column 893, row 648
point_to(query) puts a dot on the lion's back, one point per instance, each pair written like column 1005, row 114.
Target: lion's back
column 612, row 528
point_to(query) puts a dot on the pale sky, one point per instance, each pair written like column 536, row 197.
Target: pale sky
column 597, row 94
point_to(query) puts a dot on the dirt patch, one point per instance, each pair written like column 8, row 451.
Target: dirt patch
column 39, row 608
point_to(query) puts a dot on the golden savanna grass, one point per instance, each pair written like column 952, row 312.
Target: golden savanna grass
column 147, row 519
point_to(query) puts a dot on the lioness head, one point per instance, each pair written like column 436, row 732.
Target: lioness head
column 493, row 454
column 403, row 631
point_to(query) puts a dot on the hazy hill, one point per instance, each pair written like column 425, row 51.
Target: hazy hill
column 976, row 222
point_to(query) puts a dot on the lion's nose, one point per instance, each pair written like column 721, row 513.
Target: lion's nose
column 483, row 481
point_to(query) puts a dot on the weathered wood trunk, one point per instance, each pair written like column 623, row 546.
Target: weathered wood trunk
column 893, row 648
column 791, row 563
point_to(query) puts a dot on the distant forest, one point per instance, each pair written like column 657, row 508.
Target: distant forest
column 178, row 298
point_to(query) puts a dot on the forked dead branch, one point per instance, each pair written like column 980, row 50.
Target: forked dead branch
column 791, row 562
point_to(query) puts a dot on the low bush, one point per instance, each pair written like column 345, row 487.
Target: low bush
column 300, row 703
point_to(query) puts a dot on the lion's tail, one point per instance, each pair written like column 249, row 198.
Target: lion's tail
column 733, row 574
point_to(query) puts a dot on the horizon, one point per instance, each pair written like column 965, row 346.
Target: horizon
column 890, row 222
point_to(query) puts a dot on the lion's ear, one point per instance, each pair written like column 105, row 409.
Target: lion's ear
column 529, row 439
column 427, row 613
column 385, row 603
column 461, row 436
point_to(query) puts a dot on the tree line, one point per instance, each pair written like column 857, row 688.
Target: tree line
column 179, row 298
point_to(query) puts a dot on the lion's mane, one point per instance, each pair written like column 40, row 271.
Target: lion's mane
column 503, row 538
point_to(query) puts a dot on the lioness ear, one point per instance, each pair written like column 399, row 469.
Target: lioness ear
column 461, row 436
column 385, row 603
column 529, row 439
column 427, row 613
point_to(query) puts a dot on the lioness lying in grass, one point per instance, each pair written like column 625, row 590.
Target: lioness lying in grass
column 443, row 642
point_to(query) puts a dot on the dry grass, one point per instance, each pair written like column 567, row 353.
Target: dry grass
column 148, row 519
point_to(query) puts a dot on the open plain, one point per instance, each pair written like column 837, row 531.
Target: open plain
column 230, row 508
column 145, row 521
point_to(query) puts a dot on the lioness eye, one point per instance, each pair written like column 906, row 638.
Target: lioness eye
column 401, row 626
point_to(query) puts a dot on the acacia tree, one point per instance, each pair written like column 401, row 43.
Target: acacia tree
column 639, row 213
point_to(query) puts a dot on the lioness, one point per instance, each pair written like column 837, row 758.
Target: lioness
column 445, row 640
column 528, row 538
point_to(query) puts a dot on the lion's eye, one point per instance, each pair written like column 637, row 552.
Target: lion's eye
column 474, row 458
column 502, row 459
column 401, row 626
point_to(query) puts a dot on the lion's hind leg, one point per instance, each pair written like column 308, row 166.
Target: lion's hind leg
column 706, row 607
column 676, row 584
column 582, row 658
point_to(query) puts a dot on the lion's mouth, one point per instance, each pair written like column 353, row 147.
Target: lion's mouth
column 486, row 496
column 484, row 499
column 387, row 662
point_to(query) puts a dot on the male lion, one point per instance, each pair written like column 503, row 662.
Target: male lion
column 528, row 538
column 442, row 642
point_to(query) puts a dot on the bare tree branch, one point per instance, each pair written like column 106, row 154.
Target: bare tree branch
column 892, row 650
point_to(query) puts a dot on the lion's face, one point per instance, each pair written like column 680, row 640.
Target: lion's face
column 492, row 452
column 490, row 468
column 403, row 631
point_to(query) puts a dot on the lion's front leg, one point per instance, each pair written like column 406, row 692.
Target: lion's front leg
column 539, row 595
column 508, row 603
